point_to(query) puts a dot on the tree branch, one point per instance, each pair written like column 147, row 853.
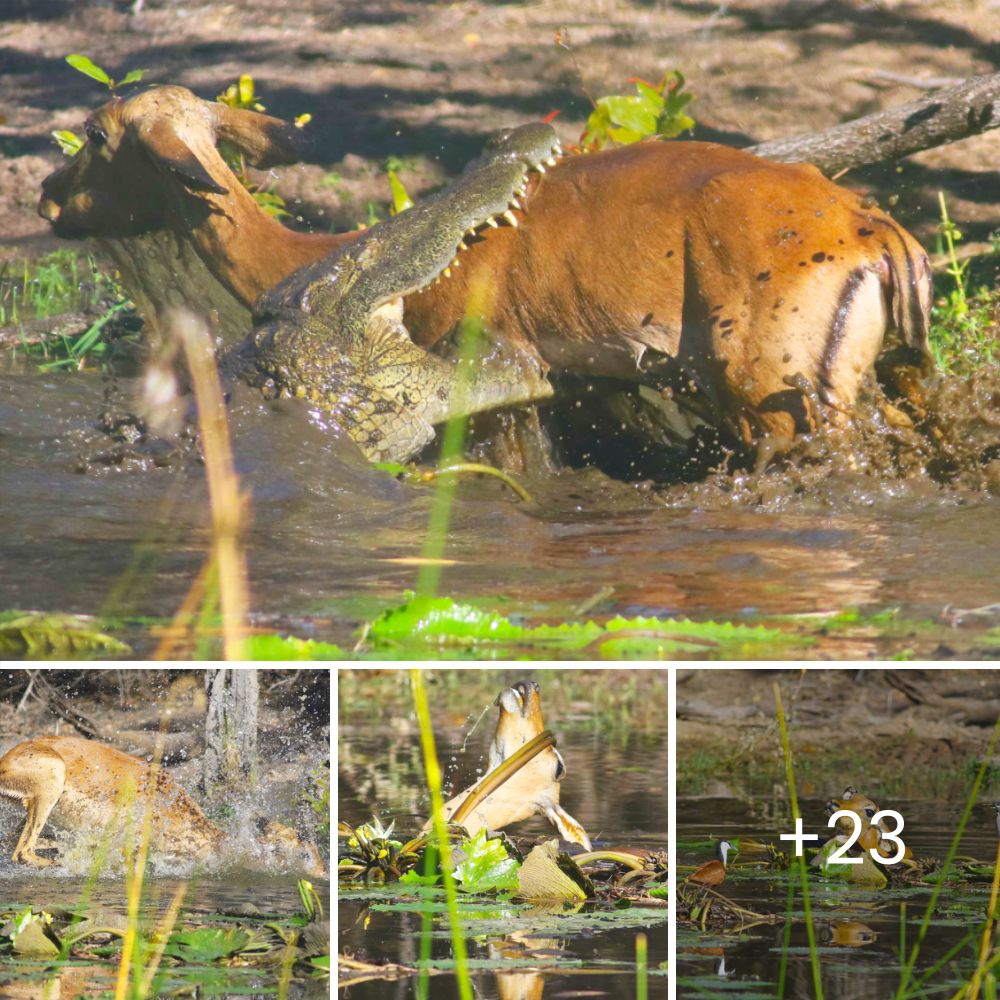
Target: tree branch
column 969, row 109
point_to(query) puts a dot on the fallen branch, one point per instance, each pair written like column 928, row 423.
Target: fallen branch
column 946, row 116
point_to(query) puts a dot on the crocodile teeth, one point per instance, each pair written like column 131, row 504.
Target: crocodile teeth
column 509, row 216
column 540, row 168
column 558, row 149
column 551, row 161
column 462, row 245
column 471, row 231
column 456, row 263
column 492, row 223
column 447, row 272
column 514, row 203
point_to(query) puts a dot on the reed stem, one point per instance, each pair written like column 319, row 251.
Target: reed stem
column 803, row 873
column 433, row 772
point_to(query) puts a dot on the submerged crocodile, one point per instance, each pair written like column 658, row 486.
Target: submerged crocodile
column 332, row 332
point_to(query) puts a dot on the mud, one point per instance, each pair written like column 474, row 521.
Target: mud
column 899, row 511
column 913, row 719
column 423, row 84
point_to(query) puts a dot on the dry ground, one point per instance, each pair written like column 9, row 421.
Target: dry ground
column 424, row 82
column 931, row 718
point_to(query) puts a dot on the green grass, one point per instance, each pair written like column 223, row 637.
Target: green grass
column 60, row 282
column 64, row 281
column 759, row 766
column 965, row 319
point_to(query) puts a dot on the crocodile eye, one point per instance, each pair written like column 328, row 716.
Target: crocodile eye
column 95, row 134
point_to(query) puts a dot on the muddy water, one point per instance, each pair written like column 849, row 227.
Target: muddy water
column 734, row 965
column 383, row 776
column 270, row 893
column 327, row 528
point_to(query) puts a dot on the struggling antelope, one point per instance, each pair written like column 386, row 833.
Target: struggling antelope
column 734, row 284
column 531, row 791
column 84, row 786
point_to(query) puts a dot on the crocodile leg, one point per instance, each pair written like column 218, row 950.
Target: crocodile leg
column 383, row 390
column 435, row 389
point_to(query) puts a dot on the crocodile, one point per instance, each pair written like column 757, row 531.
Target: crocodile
column 332, row 332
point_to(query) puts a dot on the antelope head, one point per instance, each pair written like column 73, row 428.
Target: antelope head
column 532, row 790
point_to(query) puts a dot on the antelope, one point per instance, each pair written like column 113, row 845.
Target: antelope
column 744, row 289
column 534, row 789
column 87, row 785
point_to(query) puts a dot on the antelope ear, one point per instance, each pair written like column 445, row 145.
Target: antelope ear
column 265, row 141
column 169, row 149
column 569, row 829
column 560, row 766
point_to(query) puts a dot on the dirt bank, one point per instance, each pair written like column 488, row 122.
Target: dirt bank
column 423, row 82
column 913, row 719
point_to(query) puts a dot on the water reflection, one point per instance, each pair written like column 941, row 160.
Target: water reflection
column 858, row 928
column 72, row 536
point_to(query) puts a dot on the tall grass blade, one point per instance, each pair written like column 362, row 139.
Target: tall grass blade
column 433, row 771
column 470, row 335
column 163, row 931
column 803, row 872
column 641, row 986
column 984, row 945
column 225, row 499
column 906, row 973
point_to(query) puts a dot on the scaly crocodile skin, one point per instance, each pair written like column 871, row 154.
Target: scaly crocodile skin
column 333, row 333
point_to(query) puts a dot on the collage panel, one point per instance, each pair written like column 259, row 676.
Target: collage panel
column 164, row 832
column 838, row 832
column 554, row 803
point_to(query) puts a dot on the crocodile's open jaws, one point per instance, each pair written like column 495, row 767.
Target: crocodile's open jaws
column 332, row 332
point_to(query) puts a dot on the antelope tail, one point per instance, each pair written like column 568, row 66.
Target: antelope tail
column 910, row 288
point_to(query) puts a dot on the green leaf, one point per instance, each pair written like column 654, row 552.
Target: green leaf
column 395, row 469
column 442, row 621
column 245, row 90
column 36, row 939
column 651, row 93
column 206, row 944
column 638, row 114
column 132, row 76
column 38, row 635
column 485, row 865
column 651, row 111
column 276, row 647
column 625, row 136
column 413, row 877
column 598, row 123
column 401, row 201
column 441, row 618
column 69, row 142
column 82, row 64
column 272, row 203
column 321, row 962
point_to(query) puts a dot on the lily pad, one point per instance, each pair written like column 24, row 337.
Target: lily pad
column 486, row 865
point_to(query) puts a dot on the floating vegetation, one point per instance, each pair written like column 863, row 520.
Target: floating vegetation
column 182, row 954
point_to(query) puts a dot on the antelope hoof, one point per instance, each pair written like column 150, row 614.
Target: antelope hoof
column 32, row 859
